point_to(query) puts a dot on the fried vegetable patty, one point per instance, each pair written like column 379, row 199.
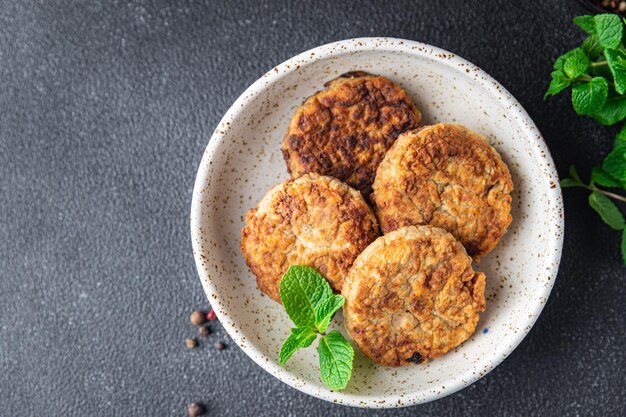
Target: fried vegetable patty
column 345, row 130
column 412, row 295
column 447, row 176
column 313, row 220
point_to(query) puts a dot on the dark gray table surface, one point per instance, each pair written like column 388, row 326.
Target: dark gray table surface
column 105, row 110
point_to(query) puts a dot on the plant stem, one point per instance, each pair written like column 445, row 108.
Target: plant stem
column 599, row 64
column 606, row 193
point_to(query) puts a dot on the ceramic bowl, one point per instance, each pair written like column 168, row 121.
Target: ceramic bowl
column 243, row 160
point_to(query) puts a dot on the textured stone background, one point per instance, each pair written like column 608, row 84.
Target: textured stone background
column 105, row 110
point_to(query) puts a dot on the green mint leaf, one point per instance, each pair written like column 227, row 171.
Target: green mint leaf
column 559, row 83
column 588, row 98
column 586, row 23
column 599, row 176
column 326, row 310
column 609, row 28
column 300, row 337
column 620, row 138
column 624, row 245
column 576, row 63
column 336, row 355
column 574, row 173
column 615, row 164
column 607, row 210
column 617, row 64
column 302, row 289
column 592, row 47
column 569, row 182
column 612, row 112
column 558, row 63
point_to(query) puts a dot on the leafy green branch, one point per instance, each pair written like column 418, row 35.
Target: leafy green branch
column 310, row 304
column 596, row 74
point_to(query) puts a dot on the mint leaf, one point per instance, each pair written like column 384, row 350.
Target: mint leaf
column 586, row 23
column 609, row 28
column 620, row 138
column 615, row 164
column 624, row 245
column 559, row 83
column 300, row 337
column 612, row 112
column 560, row 60
column 599, row 176
column 336, row 355
column 326, row 310
column 569, row 182
column 592, row 47
column 302, row 289
column 576, row 63
column 617, row 64
column 574, row 173
column 588, row 98
column 607, row 210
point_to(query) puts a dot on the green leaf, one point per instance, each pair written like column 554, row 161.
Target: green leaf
column 607, row 210
column 560, row 60
column 574, row 173
column 617, row 64
column 559, row 83
column 586, row 23
column 302, row 289
column 336, row 355
column 326, row 310
column 300, row 337
column 620, row 138
column 569, row 182
column 615, row 164
column 576, row 63
column 592, row 47
column 599, row 176
column 612, row 112
column 624, row 245
column 609, row 28
column 588, row 98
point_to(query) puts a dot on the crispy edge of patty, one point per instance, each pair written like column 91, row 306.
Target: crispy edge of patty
column 334, row 133
column 276, row 234
column 443, row 308
column 417, row 172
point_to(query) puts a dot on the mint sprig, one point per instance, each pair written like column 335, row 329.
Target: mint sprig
column 596, row 74
column 310, row 304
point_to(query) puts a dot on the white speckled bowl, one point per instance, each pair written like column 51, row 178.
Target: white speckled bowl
column 243, row 160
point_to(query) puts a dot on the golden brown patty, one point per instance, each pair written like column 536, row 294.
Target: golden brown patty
column 345, row 130
column 447, row 176
column 314, row 220
column 412, row 295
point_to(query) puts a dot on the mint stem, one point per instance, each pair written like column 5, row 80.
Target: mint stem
column 599, row 64
column 584, row 78
column 606, row 193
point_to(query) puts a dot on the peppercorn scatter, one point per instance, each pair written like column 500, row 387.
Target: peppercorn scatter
column 200, row 320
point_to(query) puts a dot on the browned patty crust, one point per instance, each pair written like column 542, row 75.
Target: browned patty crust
column 412, row 295
column 447, row 176
column 313, row 220
column 345, row 130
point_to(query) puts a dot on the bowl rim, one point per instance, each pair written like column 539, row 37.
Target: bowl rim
column 348, row 46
